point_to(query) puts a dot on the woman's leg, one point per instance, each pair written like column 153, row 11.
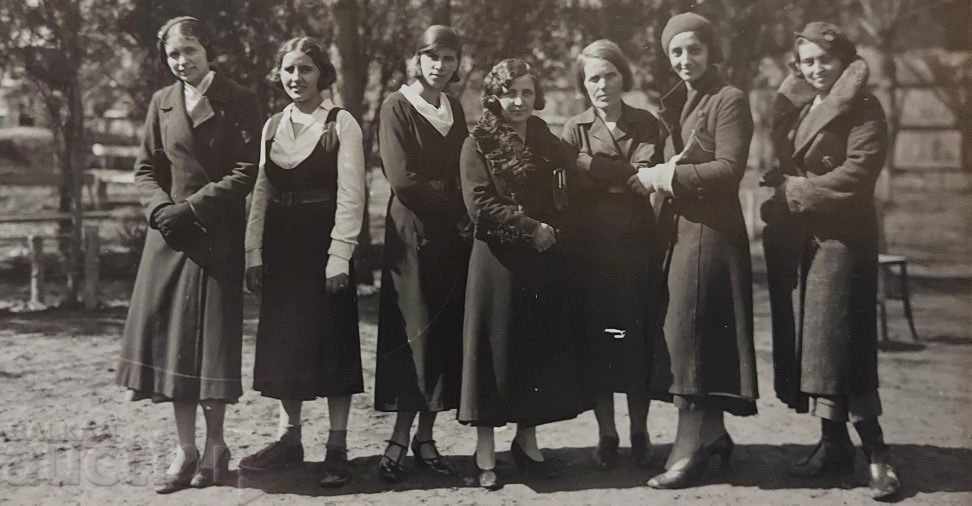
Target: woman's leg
column 288, row 421
column 338, row 411
column 426, row 423
column 604, row 414
column 688, row 435
column 485, row 448
column 214, row 413
column 400, row 434
column 185, row 420
column 638, row 405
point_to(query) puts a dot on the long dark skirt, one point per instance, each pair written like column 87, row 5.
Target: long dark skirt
column 521, row 353
column 183, row 335
column 307, row 340
column 619, row 290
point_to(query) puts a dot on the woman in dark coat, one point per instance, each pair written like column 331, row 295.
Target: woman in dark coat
column 426, row 253
column 709, row 320
column 520, row 359
column 197, row 162
column 617, row 249
column 821, row 236
column 305, row 217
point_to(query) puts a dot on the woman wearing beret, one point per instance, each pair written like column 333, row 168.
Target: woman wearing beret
column 821, row 237
column 619, row 266
column 520, row 359
column 426, row 254
column 305, row 217
column 197, row 163
column 709, row 321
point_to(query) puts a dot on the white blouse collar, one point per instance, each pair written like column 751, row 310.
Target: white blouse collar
column 289, row 149
column 440, row 117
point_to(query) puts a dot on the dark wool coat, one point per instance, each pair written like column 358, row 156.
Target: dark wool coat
column 709, row 320
column 182, row 338
column 520, row 357
column 821, row 237
column 619, row 254
column 425, row 258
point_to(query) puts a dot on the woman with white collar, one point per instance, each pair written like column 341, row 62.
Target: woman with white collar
column 427, row 243
column 305, row 218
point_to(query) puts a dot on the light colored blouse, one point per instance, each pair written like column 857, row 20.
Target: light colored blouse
column 197, row 105
column 290, row 148
column 440, row 117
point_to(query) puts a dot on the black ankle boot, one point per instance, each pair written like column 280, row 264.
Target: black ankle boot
column 882, row 477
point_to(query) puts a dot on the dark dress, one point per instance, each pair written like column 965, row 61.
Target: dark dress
column 183, row 335
column 619, row 286
column 307, row 340
column 426, row 252
column 824, row 242
column 520, row 350
column 709, row 319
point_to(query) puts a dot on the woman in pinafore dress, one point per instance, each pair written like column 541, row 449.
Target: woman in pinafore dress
column 305, row 218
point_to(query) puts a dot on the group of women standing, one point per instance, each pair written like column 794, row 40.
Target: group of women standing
column 527, row 276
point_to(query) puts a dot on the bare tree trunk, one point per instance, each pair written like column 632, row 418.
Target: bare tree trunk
column 354, row 78
column 73, row 173
column 441, row 12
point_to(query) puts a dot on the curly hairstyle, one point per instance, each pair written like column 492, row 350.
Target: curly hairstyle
column 313, row 48
column 501, row 77
column 187, row 26
column 603, row 49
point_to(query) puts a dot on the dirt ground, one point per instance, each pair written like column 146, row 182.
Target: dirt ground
column 67, row 436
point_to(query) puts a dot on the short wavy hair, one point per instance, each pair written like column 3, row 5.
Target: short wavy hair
column 187, row 26
column 501, row 77
column 603, row 49
column 313, row 48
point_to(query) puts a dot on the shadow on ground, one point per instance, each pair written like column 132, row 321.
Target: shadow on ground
column 924, row 469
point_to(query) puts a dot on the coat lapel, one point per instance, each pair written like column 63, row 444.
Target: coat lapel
column 837, row 102
column 670, row 111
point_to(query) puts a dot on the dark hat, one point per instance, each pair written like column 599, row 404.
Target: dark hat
column 829, row 37
column 685, row 22
column 691, row 22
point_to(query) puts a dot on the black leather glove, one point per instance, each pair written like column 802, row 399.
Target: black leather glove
column 178, row 225
column 774, row 211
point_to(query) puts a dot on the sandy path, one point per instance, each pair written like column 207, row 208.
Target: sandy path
column 67, row 436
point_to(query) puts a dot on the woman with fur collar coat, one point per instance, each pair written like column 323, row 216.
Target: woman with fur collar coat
column 830, row 135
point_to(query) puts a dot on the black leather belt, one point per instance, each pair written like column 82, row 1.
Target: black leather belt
column 296, row 198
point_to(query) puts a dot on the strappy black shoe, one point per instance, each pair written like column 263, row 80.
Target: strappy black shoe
column 212, row 470
column 437, row 463
column 392, row 471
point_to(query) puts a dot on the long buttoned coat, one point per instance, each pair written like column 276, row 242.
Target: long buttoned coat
column 709, row 319
column 825, row 242
column 618, row 254
column 182, row 337
column 423, row 277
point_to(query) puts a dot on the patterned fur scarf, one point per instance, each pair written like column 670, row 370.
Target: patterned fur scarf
column 508, row 157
